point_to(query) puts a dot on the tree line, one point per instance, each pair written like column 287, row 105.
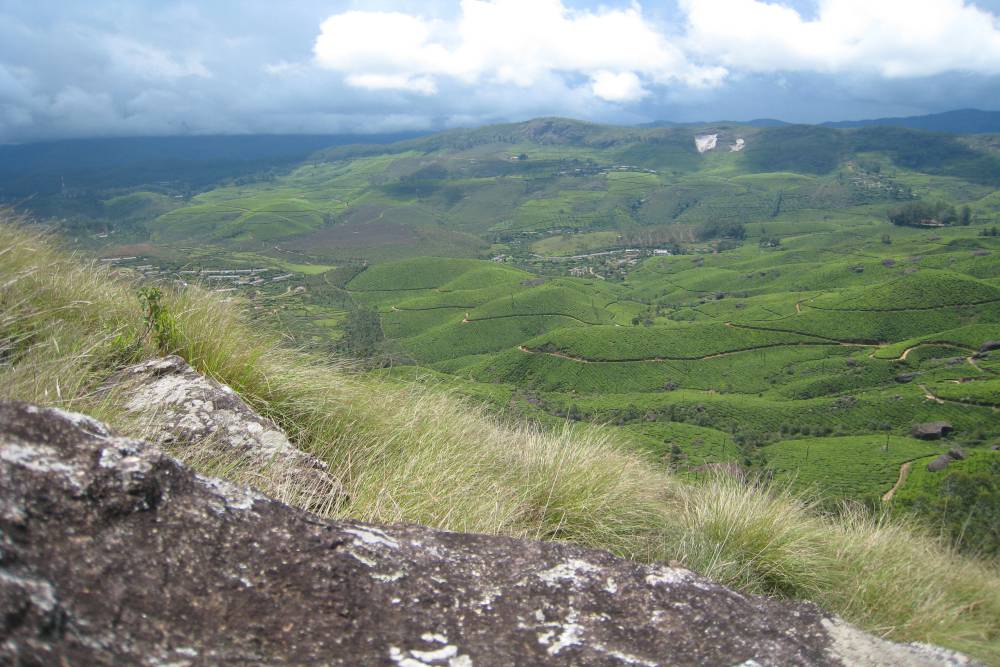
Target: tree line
column 925, row 213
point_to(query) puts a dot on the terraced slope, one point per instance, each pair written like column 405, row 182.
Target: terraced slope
column 921, row 290
column 800, row 363
column 561, row 270
column 700, row 341
column 846, row 467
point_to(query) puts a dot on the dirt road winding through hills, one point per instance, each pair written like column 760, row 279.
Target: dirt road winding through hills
column 972, row 362
column 650, row 360
column 904, row 471
column 831, row 341
column 930, row 396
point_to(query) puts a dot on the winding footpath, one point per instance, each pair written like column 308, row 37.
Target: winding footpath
column 650, row 360
column 931, row 396
column 904, row 471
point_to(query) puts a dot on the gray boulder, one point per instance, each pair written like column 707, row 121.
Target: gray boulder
column 178, row 407
column 113, row 553
column 939, row 463
column 989, row 346
column 932, row 430
column 944, row 460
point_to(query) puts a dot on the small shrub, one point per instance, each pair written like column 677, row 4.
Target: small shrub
column 159, row 320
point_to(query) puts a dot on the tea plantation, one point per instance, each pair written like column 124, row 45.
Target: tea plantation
column 753, row 307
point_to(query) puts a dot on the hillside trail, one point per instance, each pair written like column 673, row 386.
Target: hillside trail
column 656, row 360
column 901, row 357
column 831, row 341
column 906, row 353
column 904, row 470
column 929, row 395
column 579, row 360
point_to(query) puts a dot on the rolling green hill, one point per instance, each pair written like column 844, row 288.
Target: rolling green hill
column 750, row 304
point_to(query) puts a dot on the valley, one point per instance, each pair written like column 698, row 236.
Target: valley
column 705, row 305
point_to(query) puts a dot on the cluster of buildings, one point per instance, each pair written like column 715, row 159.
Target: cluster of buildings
column 227, row 279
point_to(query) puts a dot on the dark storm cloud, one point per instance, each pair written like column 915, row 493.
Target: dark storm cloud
column 159, row 68
column 100, row 68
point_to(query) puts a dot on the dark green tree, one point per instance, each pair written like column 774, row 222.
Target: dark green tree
column 965, row 216
column 362, row 333
column 923, row 213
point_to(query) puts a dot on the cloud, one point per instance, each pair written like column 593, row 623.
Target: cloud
column 147, row 62
column 623, row 56
column 417, row 84
column 104, row 67
column 888, row 38
column 519, row 43
column 623, row 87
column 381, row 50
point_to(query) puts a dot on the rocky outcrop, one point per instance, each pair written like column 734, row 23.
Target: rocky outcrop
column 114, row 553
column 179, row 407
column 932, row 430
column 944, row 460
column 939, row 463
column 989, row 346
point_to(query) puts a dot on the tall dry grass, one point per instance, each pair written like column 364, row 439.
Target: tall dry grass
column 412, row 454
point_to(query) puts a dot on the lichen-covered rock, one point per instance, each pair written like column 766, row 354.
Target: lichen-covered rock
column 939, row 463
column 181, row 407
column 944, row 460
column 113, row 553
column 932, row 430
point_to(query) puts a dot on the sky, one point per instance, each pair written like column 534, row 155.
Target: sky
column 73, row 69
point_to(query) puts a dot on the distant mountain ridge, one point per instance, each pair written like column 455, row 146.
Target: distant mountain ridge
column 959, row 121
column 756, row 122
column 45, row 167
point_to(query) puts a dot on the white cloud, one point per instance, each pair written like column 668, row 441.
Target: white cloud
column 380, row 43
column 417, row 84
column 523, row 43
column 622, row 55
column 624, row 87
column 70, row 68
column 889, row 38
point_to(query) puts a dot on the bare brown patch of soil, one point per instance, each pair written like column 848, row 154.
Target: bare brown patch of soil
column 129, row 249
column 364, row 235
